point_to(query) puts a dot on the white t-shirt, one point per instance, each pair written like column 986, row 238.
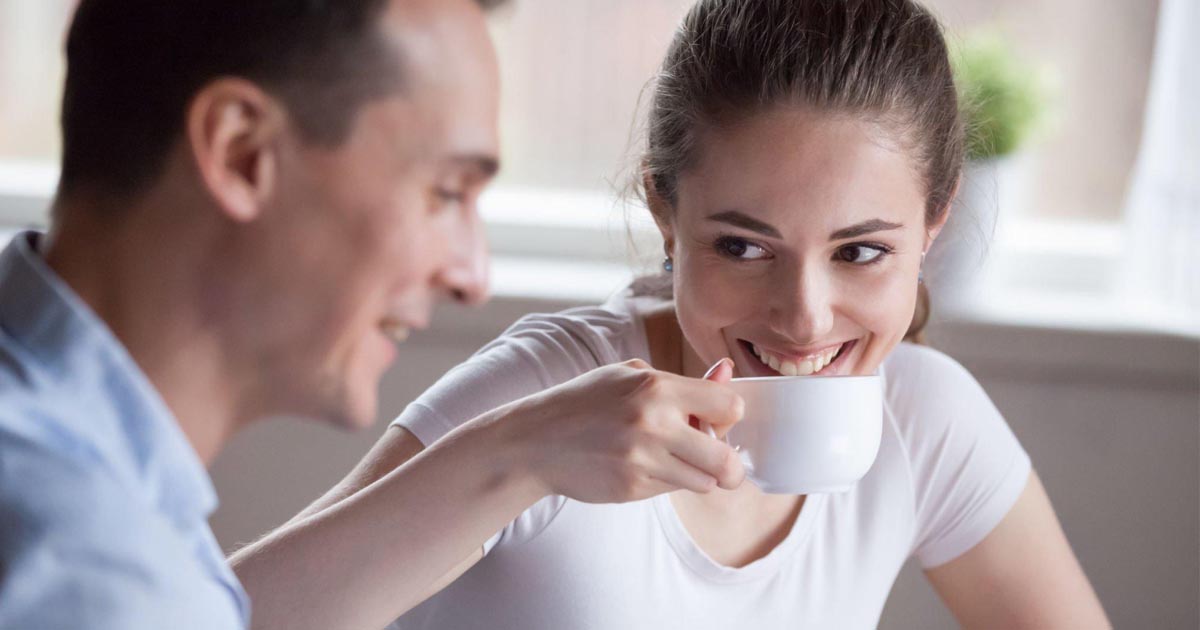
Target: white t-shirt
column 948, row 470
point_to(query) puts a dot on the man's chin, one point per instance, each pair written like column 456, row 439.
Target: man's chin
column 357, row 417
column 349, row 412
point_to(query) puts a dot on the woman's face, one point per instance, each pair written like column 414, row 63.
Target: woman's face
column 797, row 240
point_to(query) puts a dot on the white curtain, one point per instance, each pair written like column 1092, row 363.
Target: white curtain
column 1163, row 208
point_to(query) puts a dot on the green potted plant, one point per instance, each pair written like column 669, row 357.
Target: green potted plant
column 1003, row 99
column 1002, row 95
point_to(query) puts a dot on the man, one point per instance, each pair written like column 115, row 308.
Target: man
column 258, row 199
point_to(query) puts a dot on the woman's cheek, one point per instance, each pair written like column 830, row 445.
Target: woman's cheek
column 886, row 314
column 709, row 298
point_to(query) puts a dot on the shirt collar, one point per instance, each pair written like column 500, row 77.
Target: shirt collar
column 69, row 342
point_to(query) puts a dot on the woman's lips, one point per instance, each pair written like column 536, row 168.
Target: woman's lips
column 763, row 362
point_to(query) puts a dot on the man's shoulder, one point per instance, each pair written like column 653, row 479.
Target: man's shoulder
column 59, row 494
column 38, row 416
column 47, row 471
column 82, row 544
column 51, row 473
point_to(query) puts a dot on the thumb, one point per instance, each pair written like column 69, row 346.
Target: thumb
column 721, row 371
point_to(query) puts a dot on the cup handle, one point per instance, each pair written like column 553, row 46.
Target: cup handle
column 707, row 428
column 746, row 463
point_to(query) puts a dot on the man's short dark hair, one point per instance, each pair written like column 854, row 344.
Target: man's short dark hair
column 134, row 65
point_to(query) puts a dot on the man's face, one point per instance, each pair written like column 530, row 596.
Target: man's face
column 361, row 240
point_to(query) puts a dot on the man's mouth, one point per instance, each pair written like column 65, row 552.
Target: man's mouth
column 822, row 362
column 394, row 329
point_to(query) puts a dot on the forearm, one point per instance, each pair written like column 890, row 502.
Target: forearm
column 374, row 555
column 393, row 450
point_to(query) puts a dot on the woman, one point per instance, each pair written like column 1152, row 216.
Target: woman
column 801, row 159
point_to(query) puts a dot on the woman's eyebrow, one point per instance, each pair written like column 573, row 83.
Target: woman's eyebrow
column 866, row 227
column 739, row 219
column 742, row 220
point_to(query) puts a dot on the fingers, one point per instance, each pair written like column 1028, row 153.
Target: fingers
column 697, row 461
column 713, row 403
column 676, row 474
column 637, row 364
column 711, row 457
column 720, row 372
column 708, row 399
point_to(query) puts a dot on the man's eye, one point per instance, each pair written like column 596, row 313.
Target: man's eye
column 447, row 195
column 861, row 254
column 739, row 248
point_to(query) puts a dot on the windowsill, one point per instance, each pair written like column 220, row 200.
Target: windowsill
column 579, row 283
column 565, row 247
column 1042, row 273
column 25, row 192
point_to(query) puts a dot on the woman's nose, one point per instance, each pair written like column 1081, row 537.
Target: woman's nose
column 802, row 306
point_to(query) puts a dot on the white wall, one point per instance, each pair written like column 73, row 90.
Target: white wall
column 1112, row 422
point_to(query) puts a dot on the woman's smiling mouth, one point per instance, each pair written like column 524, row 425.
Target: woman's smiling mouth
column 820, row 363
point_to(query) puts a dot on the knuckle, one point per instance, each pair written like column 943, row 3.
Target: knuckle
column 649, row 383
column 646, row 409
column 731, row 469
column 649, row 421
column 634, row 416
column 737, row 407
column 636, row 364
column 728, row 466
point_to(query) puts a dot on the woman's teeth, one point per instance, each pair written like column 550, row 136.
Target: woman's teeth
column 804, row 367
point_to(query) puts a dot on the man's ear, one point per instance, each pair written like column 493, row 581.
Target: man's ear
column 660, row 210
column 931, row 233
column 233, row 130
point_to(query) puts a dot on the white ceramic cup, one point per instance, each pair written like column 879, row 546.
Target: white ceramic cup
column 808, row 434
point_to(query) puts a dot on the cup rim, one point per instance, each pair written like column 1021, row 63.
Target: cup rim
column 749, row 379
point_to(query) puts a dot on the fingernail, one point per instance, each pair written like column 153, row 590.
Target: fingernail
column 712, row 370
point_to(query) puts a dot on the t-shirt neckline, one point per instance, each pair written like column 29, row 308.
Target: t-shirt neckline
column 703, row 565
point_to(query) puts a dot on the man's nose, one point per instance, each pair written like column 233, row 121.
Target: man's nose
column 466, row 275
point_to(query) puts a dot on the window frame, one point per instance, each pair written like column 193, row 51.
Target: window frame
column 575, row 245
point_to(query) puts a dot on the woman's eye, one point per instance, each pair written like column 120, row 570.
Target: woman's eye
column 740, row 248
column 862, row 254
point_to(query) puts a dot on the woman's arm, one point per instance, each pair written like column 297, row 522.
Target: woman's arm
column 387, row 538
column 1023, row 575
column 394, row 448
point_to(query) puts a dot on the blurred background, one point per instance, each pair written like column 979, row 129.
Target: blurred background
column 1068, row 281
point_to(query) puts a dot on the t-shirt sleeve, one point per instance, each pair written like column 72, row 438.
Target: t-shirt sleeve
column 968, row 469
column 536, row 353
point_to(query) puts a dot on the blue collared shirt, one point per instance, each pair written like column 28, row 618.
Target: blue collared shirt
column 104, row 504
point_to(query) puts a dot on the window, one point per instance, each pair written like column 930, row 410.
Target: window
column 573, row 72
column 31, row 76
column 573, row 79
